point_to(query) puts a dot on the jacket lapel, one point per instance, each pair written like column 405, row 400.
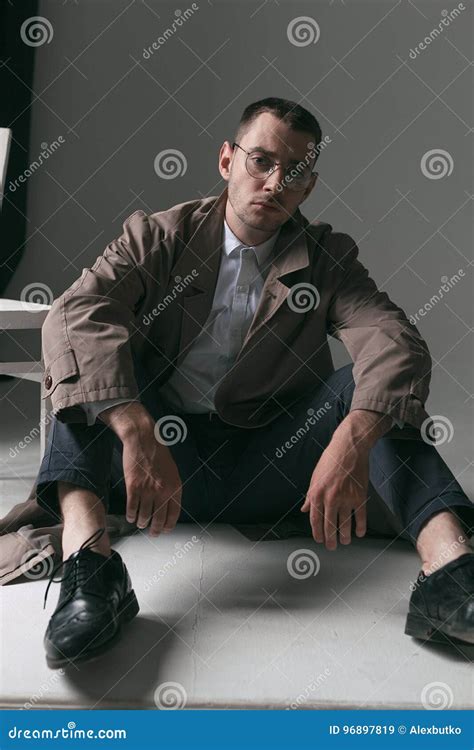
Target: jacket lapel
column 200, row 257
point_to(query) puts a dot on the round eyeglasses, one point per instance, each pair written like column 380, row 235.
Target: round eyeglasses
column 260, row 166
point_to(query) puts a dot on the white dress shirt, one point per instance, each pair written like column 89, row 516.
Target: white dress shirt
column 192, row 385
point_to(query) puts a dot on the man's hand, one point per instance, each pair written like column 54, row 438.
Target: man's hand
column 338, row 486
column 153, row 483
column 151, row 476
column 340, row 480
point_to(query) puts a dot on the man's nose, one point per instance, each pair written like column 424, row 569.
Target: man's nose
column 275, row 180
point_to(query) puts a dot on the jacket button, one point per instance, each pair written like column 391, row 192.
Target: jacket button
column 48, row 381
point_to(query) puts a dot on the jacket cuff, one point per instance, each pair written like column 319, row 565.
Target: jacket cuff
column 409, row 409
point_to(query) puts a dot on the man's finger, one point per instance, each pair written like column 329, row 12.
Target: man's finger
column 330, row 528
column 317, row 521
column 158, row 517
column 306, row 505
column 361, row 519
column 345, row 524
column 144, row 512
column 173, row 510
column 133, row 502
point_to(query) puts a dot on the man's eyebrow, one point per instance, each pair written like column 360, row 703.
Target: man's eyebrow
column 272, row 154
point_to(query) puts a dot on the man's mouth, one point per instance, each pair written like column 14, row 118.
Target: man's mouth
column 268, row 206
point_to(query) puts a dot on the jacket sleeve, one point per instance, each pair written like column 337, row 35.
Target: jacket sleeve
column 86, row 336
column 392, row 363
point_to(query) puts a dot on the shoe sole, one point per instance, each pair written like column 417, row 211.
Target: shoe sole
column 127, row 611
column 435, row 630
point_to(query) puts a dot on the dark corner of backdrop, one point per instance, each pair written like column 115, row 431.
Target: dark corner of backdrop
column 16, row 83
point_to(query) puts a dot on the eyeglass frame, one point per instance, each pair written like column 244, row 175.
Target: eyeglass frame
column 275, row 164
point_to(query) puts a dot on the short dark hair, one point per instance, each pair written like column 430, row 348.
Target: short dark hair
column 295, row 116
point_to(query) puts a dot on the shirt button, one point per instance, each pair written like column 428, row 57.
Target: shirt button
column 48, row 381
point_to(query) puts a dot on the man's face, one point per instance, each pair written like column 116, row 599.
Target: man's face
column 246, row 194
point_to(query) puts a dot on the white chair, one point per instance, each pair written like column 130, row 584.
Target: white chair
column 18, row 314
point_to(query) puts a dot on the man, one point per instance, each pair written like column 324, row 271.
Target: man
column 189, row 370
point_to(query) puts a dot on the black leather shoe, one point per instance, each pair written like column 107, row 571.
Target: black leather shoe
column 96, row 597
column 442, row 604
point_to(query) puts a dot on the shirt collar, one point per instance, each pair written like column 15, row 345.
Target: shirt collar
column 262, row 250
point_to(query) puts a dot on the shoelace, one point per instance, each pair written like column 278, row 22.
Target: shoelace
column 76, row 575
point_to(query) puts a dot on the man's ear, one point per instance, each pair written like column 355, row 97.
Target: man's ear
column 225, row 159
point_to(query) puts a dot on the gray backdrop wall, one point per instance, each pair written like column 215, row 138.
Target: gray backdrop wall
column 389, row 82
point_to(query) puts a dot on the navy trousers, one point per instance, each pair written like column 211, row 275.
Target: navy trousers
column 236, row 475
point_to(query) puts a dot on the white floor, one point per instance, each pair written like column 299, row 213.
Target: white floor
column 226, row 624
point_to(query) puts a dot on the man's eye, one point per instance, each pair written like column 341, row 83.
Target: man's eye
column 260, row 160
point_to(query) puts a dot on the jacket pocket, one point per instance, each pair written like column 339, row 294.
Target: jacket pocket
column 60, row 369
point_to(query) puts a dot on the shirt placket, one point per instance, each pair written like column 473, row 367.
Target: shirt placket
column 239, row 323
